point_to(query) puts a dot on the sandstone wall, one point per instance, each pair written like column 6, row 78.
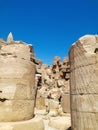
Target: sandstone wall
column 17, row 81
column 84, row 83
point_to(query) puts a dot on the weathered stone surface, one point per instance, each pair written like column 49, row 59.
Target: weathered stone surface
column 84, row 83
column 65, row 103
column 10, row 38
column 61, row 123
column 33, row 124
column 16, row 110
column 40, row 102
column 54, row 82
column 17, row 81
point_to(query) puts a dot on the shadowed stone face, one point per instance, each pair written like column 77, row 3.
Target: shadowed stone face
column 17, row 84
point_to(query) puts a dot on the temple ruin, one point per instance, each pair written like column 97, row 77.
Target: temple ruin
column 36, row 96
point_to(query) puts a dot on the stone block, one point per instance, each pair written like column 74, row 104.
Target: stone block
column 65, row 103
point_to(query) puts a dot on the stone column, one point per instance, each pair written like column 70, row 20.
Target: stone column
column 17, row 77
column 84, row 83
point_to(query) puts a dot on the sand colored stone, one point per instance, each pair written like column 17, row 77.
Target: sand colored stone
column 54, row 85
column 61, row 123
column 84, row 83
column 17, row 86
column 33, row 124
column 65, row 103
column 17, row 92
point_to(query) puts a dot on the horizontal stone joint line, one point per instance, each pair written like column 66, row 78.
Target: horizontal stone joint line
column 85, row 111
column 85, row 94
column 82, row 66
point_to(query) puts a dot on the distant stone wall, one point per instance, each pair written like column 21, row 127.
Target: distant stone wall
column 83, row 57
column 17, row 81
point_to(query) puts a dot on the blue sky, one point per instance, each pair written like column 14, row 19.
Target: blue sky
column 50, row 25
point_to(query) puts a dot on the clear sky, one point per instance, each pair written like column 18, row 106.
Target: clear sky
column 50, row 25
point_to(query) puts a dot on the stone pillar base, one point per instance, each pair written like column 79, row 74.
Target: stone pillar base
column 33, row 124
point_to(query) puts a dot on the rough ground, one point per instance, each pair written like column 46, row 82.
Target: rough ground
column 54, row 123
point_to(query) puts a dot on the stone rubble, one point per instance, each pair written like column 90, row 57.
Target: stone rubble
column 53, row 87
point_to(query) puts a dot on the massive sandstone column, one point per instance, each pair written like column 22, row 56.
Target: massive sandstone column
column 17, row 90
column 84, row 83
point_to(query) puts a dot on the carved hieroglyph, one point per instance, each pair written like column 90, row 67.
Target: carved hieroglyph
column 84, row 83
